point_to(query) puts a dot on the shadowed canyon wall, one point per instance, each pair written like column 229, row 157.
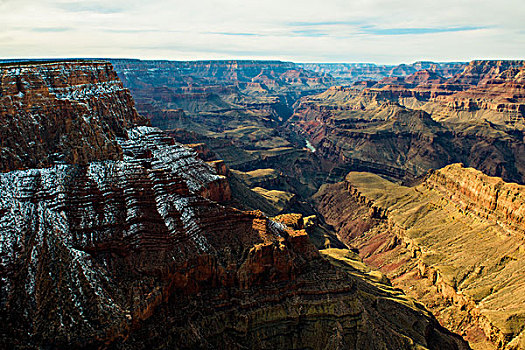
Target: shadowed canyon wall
column 120, row 242
column 403, row 127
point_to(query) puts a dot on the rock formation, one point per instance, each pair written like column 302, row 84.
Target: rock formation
column 403, row 127
column 68, row 112
column 128, row 248
column 349, row 73
column 217, row 86
column 242, row 102
column 492, row 90
column 454, row 242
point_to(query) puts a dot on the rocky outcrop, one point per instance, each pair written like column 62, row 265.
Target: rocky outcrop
column 133, row 251
column 493, row 90
column 489, row 197
column 80, row 225
column 454, row 242
column 61, row 112
column 402, row 131
column 354, row 72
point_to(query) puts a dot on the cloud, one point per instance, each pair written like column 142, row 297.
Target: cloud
column 380, row 31
column 89, row 7
column 315, row 24
column 416, row 31
column 309, row 33
column 51, row 29
column 233, row 34
column 129, row 30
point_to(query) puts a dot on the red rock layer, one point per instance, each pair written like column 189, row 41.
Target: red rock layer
column 61, row 112
column 491, row 90
column 131, row 252
column 401, row 131
column 500, row 89
column 488, row 197
column 453, row 242
column 353, row 72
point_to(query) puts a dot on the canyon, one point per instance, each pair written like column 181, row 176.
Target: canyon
column 262, row 204
column 121, row 240
column 403, row 127
column 453, row 242
column 400, row 124
column 350, row 73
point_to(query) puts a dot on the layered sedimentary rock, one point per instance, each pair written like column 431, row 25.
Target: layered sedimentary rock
column 488, row 197
column 405, row 127
column 204, row 73
column 132, row 250
column 61, row 112
column 481, row 71
column 217, row 86
column 492, row 90
column 484, row 90
column 242, row 101
column 284, row 176
column 266, row 189
column 354, row 72
column 455, row 242
column 403, row 144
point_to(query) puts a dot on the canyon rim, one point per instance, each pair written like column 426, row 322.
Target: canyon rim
column 190, row 176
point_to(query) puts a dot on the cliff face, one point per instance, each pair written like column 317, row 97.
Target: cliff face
column 403, row 127
column 355, row 72
column 488, row 197
column 131, row 250
column 496, row 88
column 67, row 112
column 454, row 242
column 243, row 101
column 81, row 236
column 491, row 90
column 238, row 108
column 216, row 85
column 403, row 144
column 188, row 73
column 480, row 71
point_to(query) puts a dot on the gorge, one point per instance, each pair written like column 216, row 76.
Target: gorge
column 262, row 204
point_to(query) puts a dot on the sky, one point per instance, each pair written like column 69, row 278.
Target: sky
column 378, row 31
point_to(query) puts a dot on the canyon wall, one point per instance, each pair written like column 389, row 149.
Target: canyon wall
column 238, row 109
column 454, row 242
column 403, row 127
column 130, row 248
column 217, row 86
column 244, row 102
column 349, row 73
column 67, row 112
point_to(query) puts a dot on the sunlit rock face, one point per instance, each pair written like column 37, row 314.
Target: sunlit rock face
column 402, row 127
column 120, row 242
column 454, row 242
